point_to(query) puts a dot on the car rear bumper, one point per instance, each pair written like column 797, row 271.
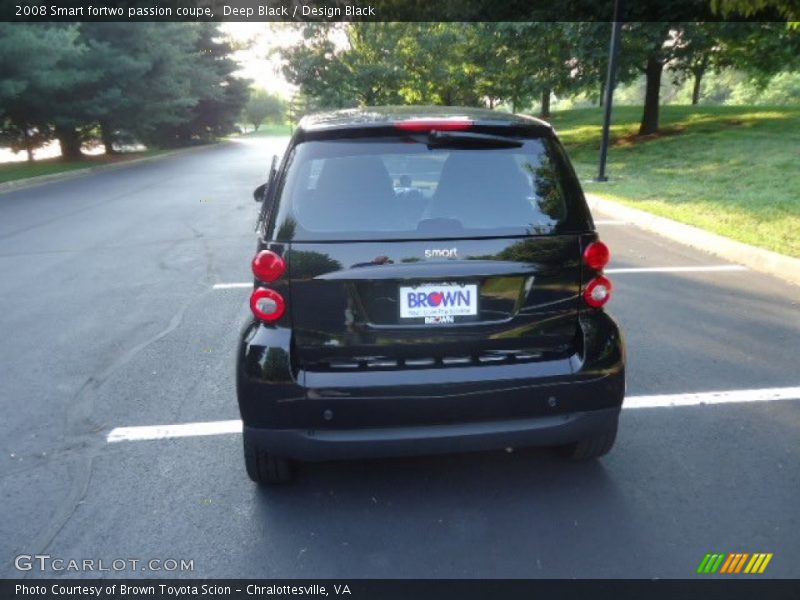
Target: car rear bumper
column 336, row 444
column 320, row 415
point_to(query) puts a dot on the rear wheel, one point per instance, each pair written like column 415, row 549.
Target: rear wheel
column 590, row 447
column 265, row 468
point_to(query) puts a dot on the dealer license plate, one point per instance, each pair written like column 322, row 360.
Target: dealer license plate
column 439, row 302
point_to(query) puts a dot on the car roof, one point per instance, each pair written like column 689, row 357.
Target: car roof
column 381, row 117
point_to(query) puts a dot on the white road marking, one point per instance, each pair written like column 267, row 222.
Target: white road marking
column 610, row 222
column 721, row 397
column 707, row 269
column 162, row 432
column 232, row 286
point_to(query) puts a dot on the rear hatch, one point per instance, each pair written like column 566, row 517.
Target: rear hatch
column 426, row 250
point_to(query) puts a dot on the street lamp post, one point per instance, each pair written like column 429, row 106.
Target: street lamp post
column 611, row 77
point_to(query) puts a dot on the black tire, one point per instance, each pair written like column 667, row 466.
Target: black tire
column 590, row 447
column 265, row 468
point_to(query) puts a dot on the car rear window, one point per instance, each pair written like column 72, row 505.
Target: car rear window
column 365, row 189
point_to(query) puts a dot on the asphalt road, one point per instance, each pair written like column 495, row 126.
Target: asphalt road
column 109, row 318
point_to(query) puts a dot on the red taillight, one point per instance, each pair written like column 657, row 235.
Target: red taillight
column 268, row 266
column 452, row 124
column 596, row 255
column 267, row 305
column 597, row 292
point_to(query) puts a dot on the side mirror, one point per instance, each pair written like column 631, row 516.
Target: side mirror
column 264, row 192
column 260, row 192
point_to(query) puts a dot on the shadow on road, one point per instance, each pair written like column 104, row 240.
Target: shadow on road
column 481, row 514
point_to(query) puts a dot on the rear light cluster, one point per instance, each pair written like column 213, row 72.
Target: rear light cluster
column 598, row 291
column 267, row 304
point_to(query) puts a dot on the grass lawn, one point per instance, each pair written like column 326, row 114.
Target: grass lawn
column 22, row 170
column 734, row 170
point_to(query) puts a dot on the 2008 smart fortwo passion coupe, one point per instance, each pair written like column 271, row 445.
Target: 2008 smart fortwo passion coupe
column 426, row 280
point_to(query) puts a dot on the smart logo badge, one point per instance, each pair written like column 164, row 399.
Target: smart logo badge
column 734, row 563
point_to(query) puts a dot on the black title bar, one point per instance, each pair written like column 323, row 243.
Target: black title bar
column 365, row 10
column 403, row 589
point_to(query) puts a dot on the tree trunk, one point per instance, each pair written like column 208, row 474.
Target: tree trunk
column 698, row 78
column 649, row 122
column 698, row 70
column 28, row 143
column 107, row 137
column 602, row 93
column 70, row 143
column 696, row 90
column 545, row 112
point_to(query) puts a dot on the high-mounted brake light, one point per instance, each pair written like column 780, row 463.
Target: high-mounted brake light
column 267, row 305
column 596, row 255
column 451, row 124
column 268, row 266
column 597, row 292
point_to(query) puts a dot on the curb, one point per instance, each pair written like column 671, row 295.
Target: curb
column 758, row 259
column 28, row 182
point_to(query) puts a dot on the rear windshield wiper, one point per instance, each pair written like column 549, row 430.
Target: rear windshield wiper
column 467, row 140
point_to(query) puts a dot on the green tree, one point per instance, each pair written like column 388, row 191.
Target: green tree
column 160, row 82
column 221, row 95
column 537, row 61
column 438, row 66
column 697, row 49
column 788, row 8
column 146, row 82
column 38, row 63
column 383, row 63
column 167, row 83
column 373, row 71
column 590, row 45
column 507, row 57
column 299, row 106
column 367, row 71
column 217, row 95
column 692, row 48
column 484, row 52
column 263, row 106
column 764, row 49
column 316, row 67
column 760, row 49
column 647, row 47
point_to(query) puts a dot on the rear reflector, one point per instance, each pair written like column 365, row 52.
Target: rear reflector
column 596, row 255
column 267, row 305
column 268, row 266
column 452, row 124
column 597, row 292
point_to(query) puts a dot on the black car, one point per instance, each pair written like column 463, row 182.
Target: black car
column 426, row 280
